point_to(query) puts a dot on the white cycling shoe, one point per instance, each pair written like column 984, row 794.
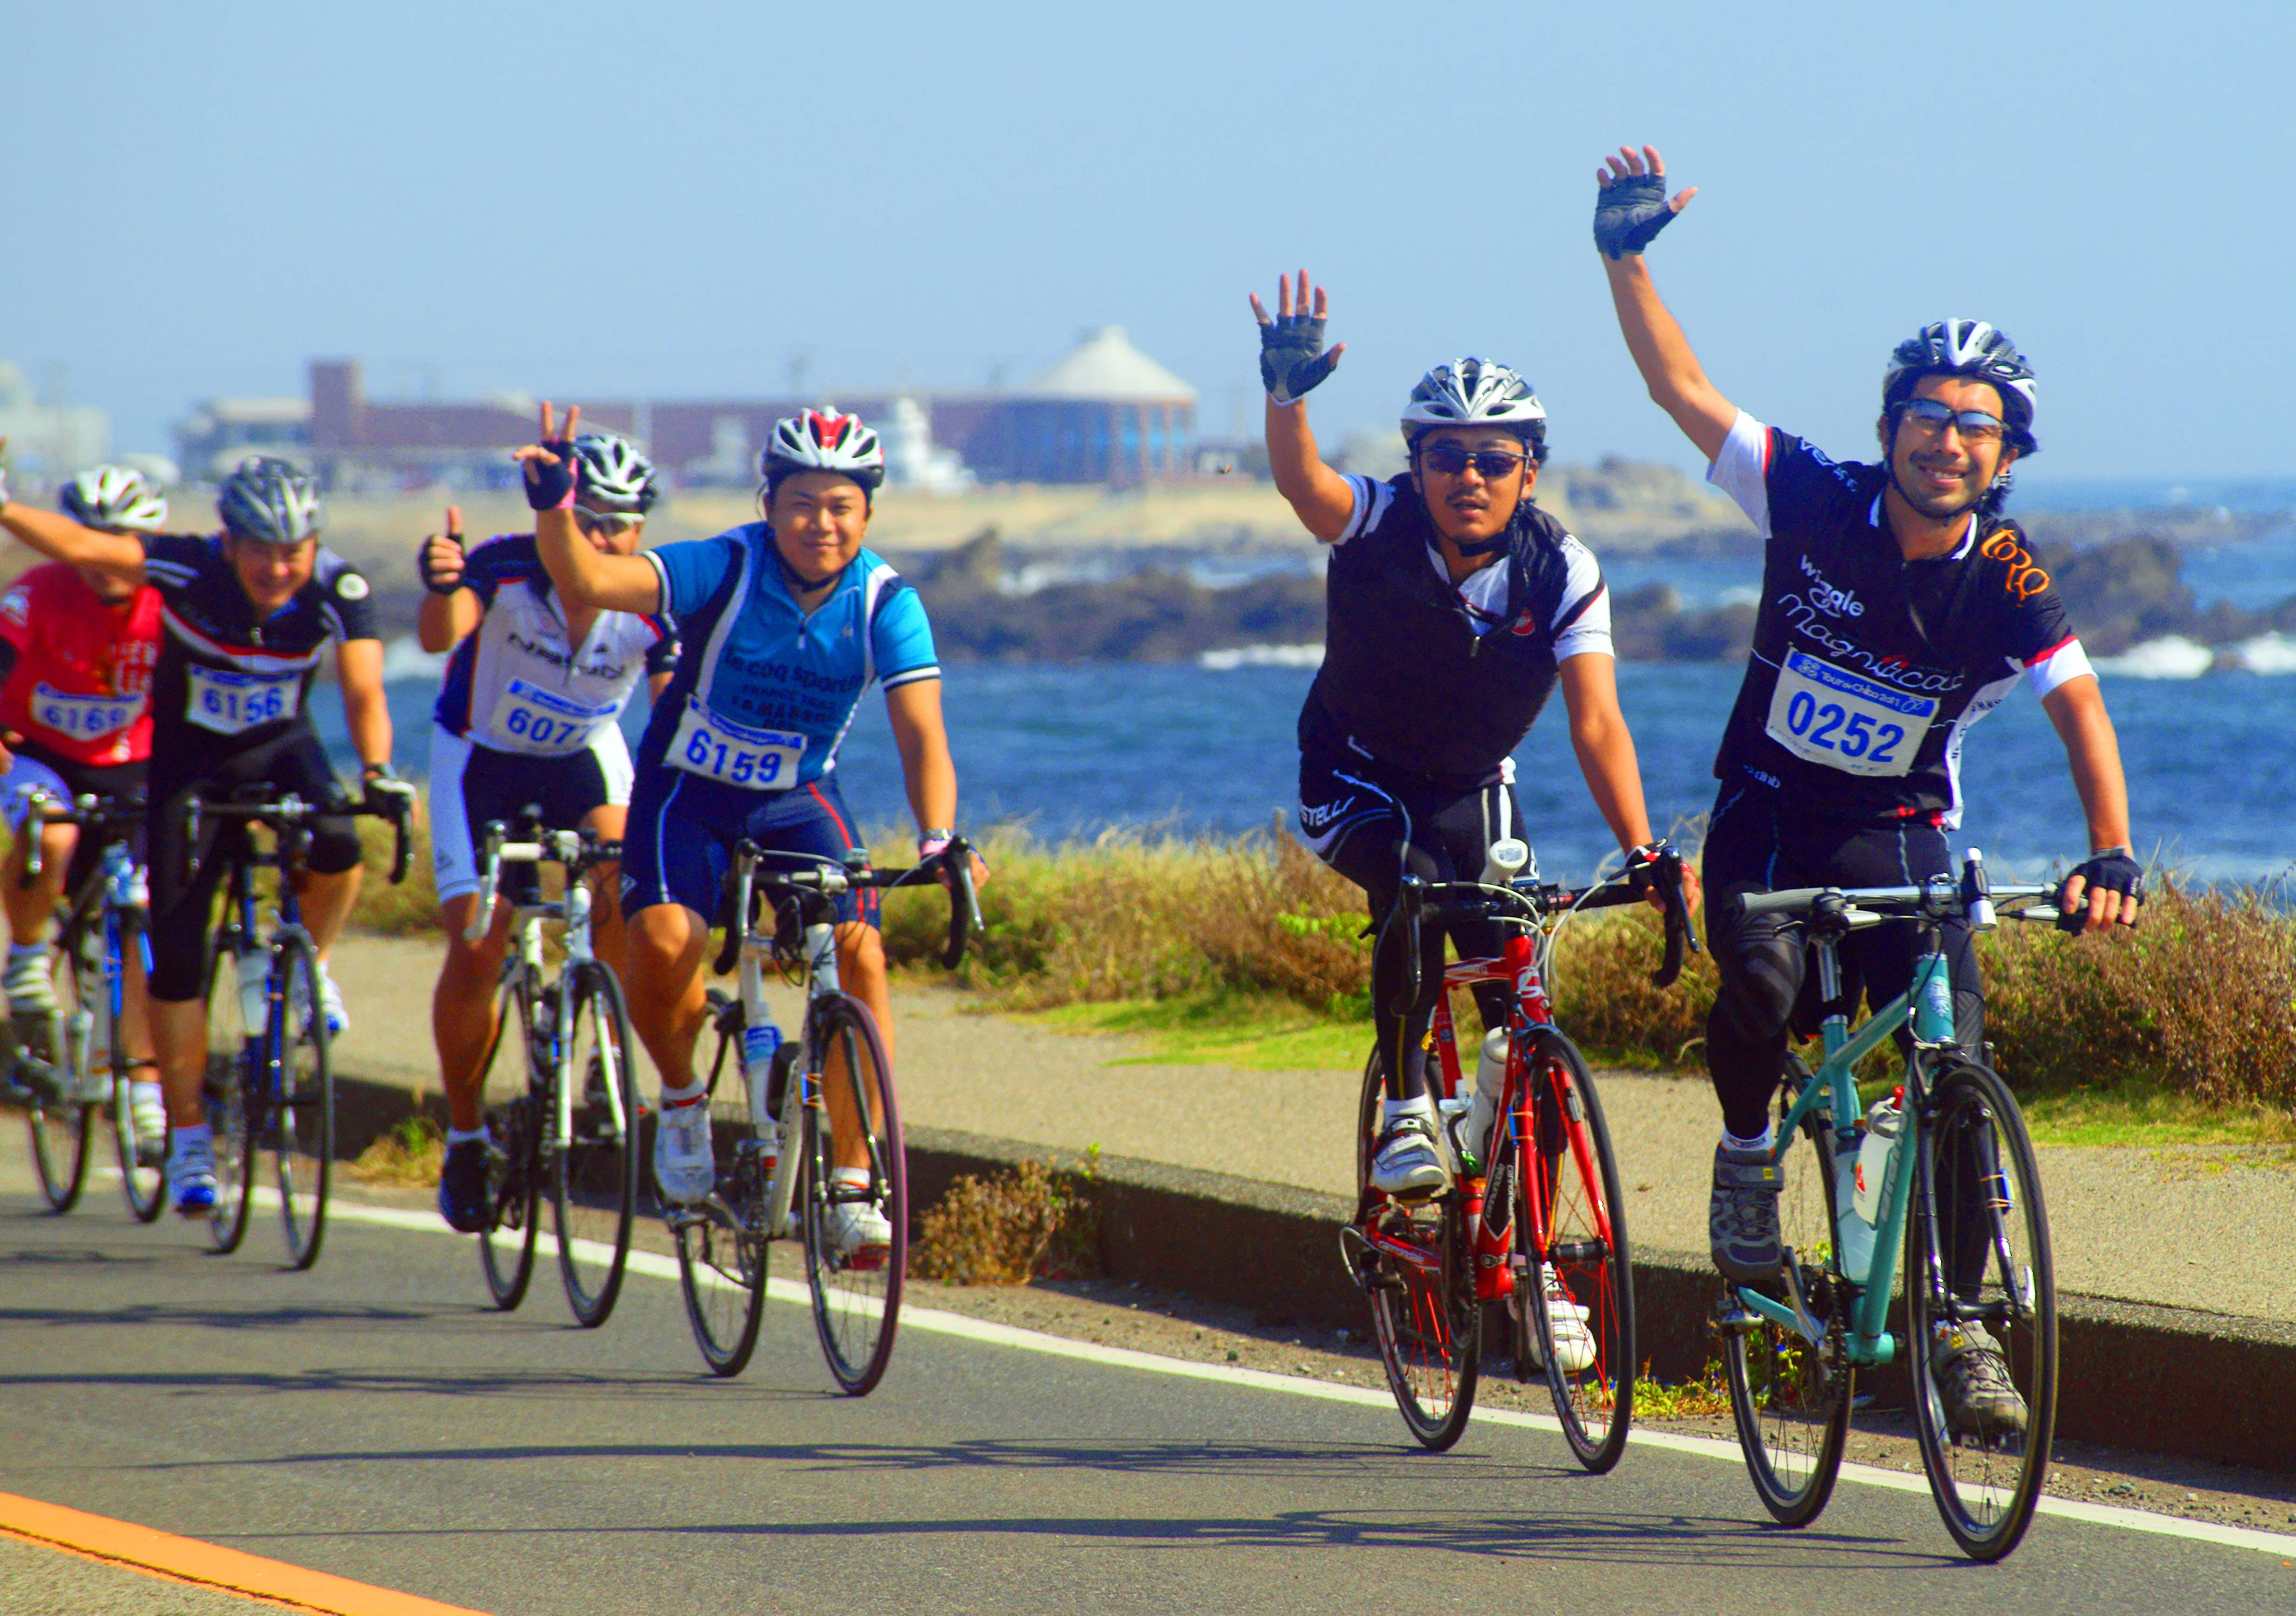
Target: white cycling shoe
column 1566, row 1322
column 856, row 1228
column 685, row 1169
column 147, row 1114
column 30, row 987
column 1408, row 1163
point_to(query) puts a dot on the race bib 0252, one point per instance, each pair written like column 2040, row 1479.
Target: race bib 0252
column 530, row 719
column 83, row 717
column 1844, row 721
column 757, row 759
column 230, row 702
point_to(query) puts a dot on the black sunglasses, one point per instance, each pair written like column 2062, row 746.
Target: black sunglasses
column 1451, row 459
column 1975, row 426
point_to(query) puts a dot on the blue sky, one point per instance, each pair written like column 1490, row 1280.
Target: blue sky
column 674, row 199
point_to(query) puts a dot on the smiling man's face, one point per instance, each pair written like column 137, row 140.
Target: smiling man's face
column 1474, row 502
column 1942, row 473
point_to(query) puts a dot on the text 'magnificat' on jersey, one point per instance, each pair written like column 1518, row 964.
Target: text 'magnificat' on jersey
column 223, row 672
column 80, row 681
column 518, row 684
column 1868, row 669
column 1439, row 678
column 763, row 694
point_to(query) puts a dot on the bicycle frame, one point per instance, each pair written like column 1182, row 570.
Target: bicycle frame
column 819, row 952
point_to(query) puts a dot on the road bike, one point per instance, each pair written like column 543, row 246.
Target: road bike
column 783, row 1113
column 78, row 1078
column 1958, row 1188
column 1534, row 1221
column 562, row 1098
column 270, row 1083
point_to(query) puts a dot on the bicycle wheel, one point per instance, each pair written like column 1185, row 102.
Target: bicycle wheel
column 856, row 1281
column 227, row 1088
column 142, row 1162
column 1791, row 1399
column 62, row 1125
column 1575, row 1299
column 721, row 1243
column 1414, row 1264
column 594, row 1188
column 302, row 1133
column 1977, row 1253
column 513, row 1120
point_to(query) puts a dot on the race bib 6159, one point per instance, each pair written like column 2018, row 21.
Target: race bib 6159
column 758, row 759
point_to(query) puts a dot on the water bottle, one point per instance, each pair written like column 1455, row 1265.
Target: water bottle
column 1503, row 860
column 1490, row 1077
column 545, row 1031
column 1854, row 1235
column 254, row 965
column 760, row 1040
column 1884, row 1124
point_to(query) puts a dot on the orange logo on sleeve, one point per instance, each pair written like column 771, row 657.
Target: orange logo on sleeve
column 2025, row 579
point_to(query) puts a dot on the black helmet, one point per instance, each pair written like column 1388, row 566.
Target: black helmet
column 271, row 500
column 1971, row 348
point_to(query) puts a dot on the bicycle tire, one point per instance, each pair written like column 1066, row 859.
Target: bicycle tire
column 63, row 1127
column 721, row 1246
column 1790, row 1400
column 1964, row 1258
column 1424, row 1315
column 143, row 1170
column 594, row 1180
column 857, row 1297
column 302, row 1120
column 225, row 1090
column 513, row 1123
column 1588, row 1256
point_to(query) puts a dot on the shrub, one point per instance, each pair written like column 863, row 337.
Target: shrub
column 1032, row 1221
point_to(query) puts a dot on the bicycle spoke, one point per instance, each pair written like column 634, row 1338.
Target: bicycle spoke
column 855, row 1237
column 595, row 1178
column 513, row 1171
column 298, row 1080
column 721, row 1245
column 224, row 1087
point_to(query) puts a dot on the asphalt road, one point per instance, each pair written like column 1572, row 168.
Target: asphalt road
column 373, row 1419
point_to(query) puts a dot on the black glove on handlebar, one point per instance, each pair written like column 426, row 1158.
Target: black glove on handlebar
column 1292, row 357
column 1629, row 213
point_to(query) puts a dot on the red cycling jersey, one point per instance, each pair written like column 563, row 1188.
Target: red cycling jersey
column 81, row 684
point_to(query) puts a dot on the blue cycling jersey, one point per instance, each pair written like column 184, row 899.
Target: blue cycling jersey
column 764, row 694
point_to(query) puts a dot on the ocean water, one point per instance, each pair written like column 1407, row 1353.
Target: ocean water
column 1072, row 750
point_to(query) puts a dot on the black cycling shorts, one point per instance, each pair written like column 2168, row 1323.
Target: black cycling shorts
column 471, row 785
column 184, row 878
column 39, row 768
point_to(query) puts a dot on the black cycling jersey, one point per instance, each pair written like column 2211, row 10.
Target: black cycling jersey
column 226, row 681
column 1867, row 670
column 1439, row 679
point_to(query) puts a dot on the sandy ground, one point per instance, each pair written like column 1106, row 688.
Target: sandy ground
column 2135, row 1224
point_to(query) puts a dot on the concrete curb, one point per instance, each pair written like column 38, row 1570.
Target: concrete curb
column 2169, row 1381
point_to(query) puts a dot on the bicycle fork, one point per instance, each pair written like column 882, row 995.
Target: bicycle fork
column 799, row 1095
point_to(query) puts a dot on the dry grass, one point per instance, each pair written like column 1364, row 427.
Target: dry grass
column 410, row 1156
column 1032, row 1221
column 1706, row 1398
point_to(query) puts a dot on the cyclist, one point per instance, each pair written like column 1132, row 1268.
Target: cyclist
column 529, row 714
column 784, row 623
column 1898, row 607
column 76, row 647
column 1454, row 606
column 248, row 613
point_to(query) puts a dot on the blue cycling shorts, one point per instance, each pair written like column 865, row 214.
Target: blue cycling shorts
column 682, row 830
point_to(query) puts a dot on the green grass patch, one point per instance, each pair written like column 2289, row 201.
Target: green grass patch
column 1256, row 1034
column 2136, row 1113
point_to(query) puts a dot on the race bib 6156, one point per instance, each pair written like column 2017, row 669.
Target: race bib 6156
column 229, row 702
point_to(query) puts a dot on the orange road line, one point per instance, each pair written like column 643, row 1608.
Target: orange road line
column 148, row 1550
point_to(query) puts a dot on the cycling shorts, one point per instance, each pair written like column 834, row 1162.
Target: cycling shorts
column 184, row 878
column 472, row 784
column 683, row 829
column 36, row 768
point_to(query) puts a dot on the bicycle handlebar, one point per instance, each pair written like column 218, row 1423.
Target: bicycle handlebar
column 578, row 851
column 1971, row 897
column 1529, row 898
column 91, row 810
column 291, row 811
column 829, row 881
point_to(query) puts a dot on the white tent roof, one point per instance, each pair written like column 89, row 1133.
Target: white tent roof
column 1106, row 366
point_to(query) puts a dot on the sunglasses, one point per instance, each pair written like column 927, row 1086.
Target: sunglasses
column 1490, row 464
column 1975, row 426
column 611, row 526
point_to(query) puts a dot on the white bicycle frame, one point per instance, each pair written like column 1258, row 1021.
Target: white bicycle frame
column 563, row 846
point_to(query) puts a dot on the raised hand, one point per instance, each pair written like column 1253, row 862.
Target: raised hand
column 1291, row 355
column 549, row 463
column 440, row 561
column 1632, row 207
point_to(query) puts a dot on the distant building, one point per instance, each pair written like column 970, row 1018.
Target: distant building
column 48, row 442
column 1105, row 412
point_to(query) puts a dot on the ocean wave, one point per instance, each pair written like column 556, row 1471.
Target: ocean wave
column 2267, row 653
column 1262, row 656
column 2170, row 657
column 404, row 659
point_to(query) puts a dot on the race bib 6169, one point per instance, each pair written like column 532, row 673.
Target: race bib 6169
column 758, row 759
column 83, row 717
column 1844, row 721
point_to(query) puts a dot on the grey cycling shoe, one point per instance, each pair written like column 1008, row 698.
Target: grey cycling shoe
column 1973, row 1381
column 1741, row 1216
column 1408, row 1163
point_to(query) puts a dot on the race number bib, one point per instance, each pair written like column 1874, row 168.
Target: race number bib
column 230, row 702
column 529, row 719
column 758, row 759
column 83, row 717
column 1844, row 720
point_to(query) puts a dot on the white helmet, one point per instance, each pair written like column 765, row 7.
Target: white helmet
column 1474, row 392
column 822, row 441
column 614, row 479
column 115, row 498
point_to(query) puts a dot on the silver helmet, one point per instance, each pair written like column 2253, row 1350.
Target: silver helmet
column 1972, row 349
column 1476, row 392
column 273, row 501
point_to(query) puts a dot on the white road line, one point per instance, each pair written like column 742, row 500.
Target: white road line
column 937, row 1322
